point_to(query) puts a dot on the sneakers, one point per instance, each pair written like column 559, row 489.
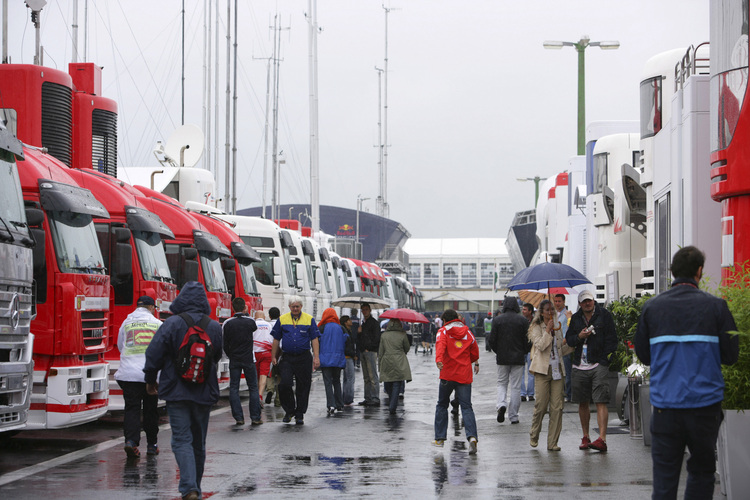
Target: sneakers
column 331, row 410
column 531, row 398
column 257, row 422
column 132, row 450
column 239, row 422
column 363, row 403
column 472, row 446
column 599, row 445
column 554, row 448
column 287, row 418
column 523, row 398
column 299, row 420
column 585, row 442
column 534, row 441
column 193, row 495
column 152, row 449
column 439, row 443
column 501, row 414
column 269, row 397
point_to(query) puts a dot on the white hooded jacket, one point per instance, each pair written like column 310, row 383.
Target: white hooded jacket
column 134, row 337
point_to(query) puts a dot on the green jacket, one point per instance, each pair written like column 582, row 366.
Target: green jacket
column 392, row 360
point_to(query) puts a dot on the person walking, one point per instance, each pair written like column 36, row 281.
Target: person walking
column 548, row 348
column 592, row 334
column 262, row 346
column 684, row 335
column 509, row 341
column 332, row 358
column 350, row 354
column 188, row 404
column 527, row 379
column 395, row 371
column 293, row 335
column 368, row 341
column 135, row 334
column 239, row 346
column 455, row 350
column 272, row 383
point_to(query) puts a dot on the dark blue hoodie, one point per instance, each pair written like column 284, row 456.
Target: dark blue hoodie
column 166, row 342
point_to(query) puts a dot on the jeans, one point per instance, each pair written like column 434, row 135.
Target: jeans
column 671, row 431
column 134, row 394
column 463, row 394
column 332, row 382
column 568, row 363
column 295, row 368
column 349, row 381
column 189, row 422
column 509, row 377
column 394, row 389
column 370, row 376
column 236, row 369
column 527, row 378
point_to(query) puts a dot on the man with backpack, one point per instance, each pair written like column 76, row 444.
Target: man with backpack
column 186, row 349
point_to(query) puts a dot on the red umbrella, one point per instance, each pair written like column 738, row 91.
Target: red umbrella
column 406, row 315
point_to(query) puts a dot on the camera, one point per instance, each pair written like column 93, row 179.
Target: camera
column 591, row 330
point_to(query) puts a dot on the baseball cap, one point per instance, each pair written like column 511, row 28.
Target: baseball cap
column 585, row 295
column 145, row 300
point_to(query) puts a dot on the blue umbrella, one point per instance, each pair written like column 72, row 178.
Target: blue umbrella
column 547, row 275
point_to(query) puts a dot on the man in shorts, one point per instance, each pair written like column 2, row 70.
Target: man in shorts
column 592, row 334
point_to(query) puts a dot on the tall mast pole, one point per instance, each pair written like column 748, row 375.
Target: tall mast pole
column 274, row 150
column 234, row 118
column 227, row 124
column 182, row 78
column 216, row 99
column 75, row 31
column 379, row 201
column 313, row 83
column 384, row 179
column 265, row 133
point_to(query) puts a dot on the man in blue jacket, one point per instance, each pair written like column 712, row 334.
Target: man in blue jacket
column 684, row 334
column 188, row 404
column 293, row 335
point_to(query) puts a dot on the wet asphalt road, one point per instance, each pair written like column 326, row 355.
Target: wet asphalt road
column 359, row 452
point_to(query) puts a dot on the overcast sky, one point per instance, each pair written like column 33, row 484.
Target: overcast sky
column 474, row 99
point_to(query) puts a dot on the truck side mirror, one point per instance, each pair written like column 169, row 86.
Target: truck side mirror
column 123, row 254
column 37, row 235
column 190, row 268
column 276, row 266
column 34, row 217
column 227, row 263
column 231, row 279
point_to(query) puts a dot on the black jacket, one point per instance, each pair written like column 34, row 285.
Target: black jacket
column 350, row 345
column 509, row 335
column 238, row 338
column 600, row 345
column 369, row 338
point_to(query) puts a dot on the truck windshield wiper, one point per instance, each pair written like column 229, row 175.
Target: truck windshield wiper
column 10, row 236
column 87, row 268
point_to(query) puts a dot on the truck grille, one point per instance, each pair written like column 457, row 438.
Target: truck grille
column 15, row 310
column 104, row 142
column 57, row 112
column 94, row 327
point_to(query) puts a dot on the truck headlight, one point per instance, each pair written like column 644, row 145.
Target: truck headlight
column 74, row 387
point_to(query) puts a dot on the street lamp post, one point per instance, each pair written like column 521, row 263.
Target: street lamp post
column 580, row 47
column 357, row 248
column 536, row 180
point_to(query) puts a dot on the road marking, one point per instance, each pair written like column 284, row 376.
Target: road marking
column 75, row 455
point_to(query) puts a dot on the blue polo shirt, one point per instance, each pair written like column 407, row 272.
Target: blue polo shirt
column 295, row 335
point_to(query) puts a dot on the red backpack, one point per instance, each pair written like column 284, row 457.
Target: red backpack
column 196, row 351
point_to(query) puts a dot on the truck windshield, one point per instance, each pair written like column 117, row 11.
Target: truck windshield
column 213, row 274
column 76, row 245
column 308, row 266
column 326, row 283
column 154, row 266
column 291, row 274
column 11, row 210
column 248, row 279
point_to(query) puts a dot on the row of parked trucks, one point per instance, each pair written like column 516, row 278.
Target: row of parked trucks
column 646, row 188
column 78, row 246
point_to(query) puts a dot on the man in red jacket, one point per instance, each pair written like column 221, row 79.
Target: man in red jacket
column 455, row 350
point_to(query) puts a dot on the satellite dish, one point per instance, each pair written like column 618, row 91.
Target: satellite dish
column 185, row 143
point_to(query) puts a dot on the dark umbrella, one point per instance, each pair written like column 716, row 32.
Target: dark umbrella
column 356, row 299
column 547, row 275
column 406, row 315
